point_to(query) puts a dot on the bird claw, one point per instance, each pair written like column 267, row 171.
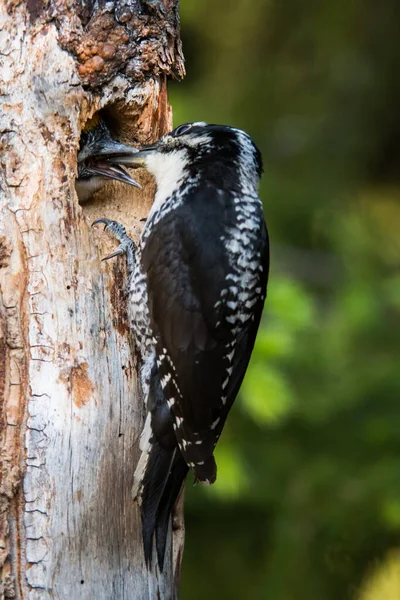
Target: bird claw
column 126, row 244
column 106, row 222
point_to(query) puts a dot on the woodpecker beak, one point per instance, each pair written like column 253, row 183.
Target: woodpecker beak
column 137, row 159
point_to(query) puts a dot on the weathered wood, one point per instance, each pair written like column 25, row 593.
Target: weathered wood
column 70, row 411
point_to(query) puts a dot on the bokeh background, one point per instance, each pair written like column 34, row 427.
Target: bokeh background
column 307, row 501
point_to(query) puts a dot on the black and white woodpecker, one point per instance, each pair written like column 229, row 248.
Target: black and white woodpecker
column 94, row 167
column 196, row 290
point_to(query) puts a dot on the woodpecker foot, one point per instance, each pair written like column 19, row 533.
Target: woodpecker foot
column 126, row 244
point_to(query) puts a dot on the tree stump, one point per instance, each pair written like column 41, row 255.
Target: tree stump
column 70, row 407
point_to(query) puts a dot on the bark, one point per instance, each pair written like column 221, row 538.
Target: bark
column 70, row 411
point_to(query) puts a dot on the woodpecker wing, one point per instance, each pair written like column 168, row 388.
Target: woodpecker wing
column 204, row 331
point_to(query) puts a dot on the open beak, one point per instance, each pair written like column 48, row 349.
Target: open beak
column 106, row 169
column 106, row 160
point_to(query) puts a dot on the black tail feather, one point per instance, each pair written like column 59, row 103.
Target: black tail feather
column 155, row 478
column 170, row 494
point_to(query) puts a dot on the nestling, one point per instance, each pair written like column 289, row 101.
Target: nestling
column 94, row 167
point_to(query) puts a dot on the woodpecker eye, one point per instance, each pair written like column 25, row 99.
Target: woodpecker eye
column 181, row 129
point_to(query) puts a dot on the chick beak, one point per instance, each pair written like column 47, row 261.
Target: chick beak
column 106, row 169
column 107, row 158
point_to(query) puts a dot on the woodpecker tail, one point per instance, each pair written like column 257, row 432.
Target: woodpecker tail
column 155, row 476
column 156, row 488
column 170, row 495
column 160, row 472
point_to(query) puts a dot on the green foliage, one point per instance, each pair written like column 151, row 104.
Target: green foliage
column 383, row 583
column 267, row 398
column 307, row 496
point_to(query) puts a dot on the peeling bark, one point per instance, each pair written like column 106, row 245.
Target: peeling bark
column 70, row 411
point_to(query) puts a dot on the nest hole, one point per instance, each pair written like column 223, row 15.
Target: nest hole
column 114, row 199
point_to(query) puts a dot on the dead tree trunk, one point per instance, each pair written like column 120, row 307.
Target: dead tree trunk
column 70, row 412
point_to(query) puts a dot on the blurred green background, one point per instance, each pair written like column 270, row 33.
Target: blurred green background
column 307, row 501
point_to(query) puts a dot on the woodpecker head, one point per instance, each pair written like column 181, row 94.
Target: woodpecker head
column 96, row 149
column 198, row 152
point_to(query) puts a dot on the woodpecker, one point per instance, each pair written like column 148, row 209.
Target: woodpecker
column 94, row 167
column 196, row 290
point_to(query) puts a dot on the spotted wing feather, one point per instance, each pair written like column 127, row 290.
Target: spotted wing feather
column 186, row 262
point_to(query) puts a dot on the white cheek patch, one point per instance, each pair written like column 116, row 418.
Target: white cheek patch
column 168, row 169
